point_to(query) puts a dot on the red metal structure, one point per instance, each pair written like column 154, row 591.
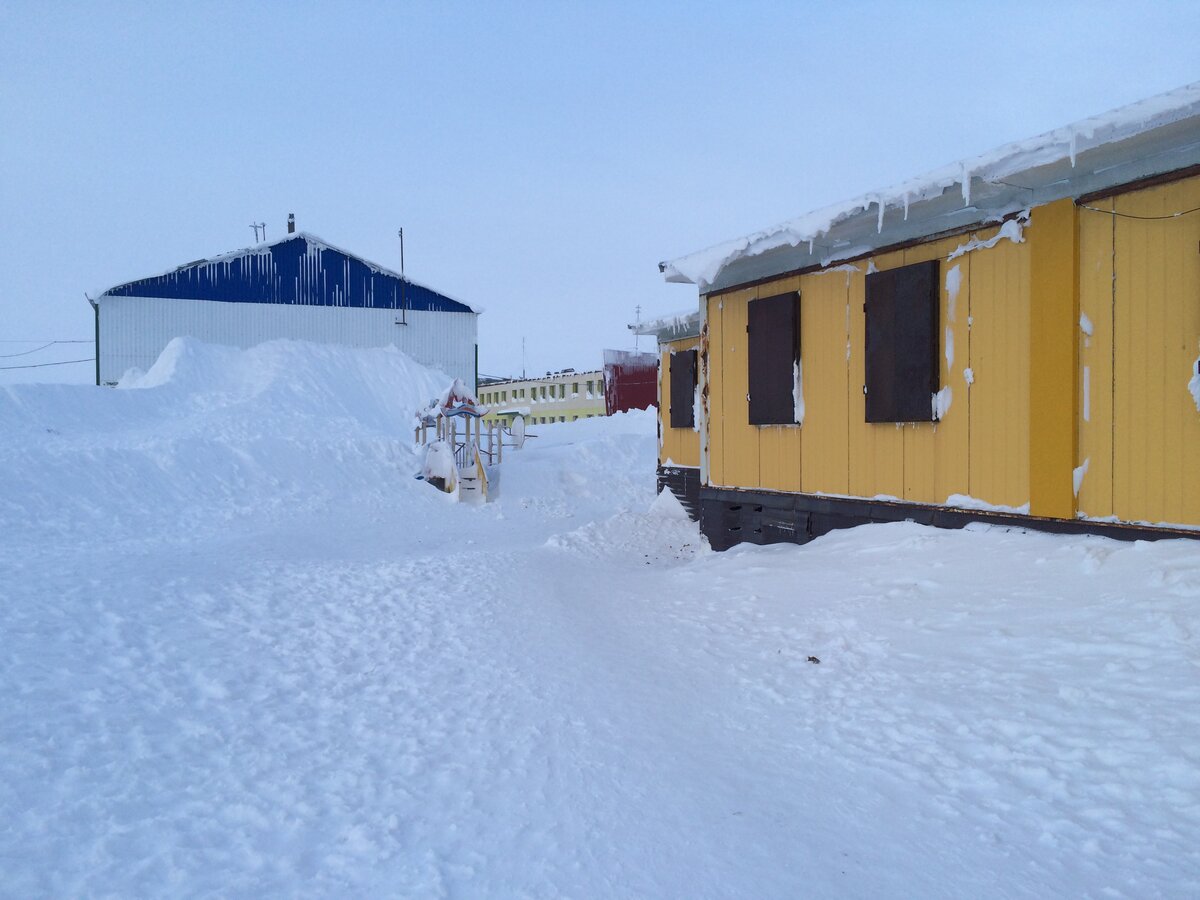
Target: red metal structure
column 630, row 380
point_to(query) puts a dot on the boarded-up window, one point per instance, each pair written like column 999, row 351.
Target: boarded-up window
column 774, row 348
column 683, row 389
column 902, row 343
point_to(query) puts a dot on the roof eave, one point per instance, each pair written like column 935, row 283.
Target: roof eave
column 670, row 328
column 996, row 186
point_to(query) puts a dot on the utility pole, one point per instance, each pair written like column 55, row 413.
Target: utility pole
column 403, row 282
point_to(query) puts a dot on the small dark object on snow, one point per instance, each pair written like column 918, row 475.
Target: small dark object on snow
column 813, row 659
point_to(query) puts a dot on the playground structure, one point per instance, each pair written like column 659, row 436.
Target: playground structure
column 463, row 453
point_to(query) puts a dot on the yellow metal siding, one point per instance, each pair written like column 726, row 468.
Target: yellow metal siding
column 740, row 437
column 1096, row 361
column 824, row 339
column 1138, row 282
column 980, row 447
column 716, row 391
column 1156, row 426
column 1053, row 350
column 837, row 451
column 998, row 312
column 679, row 445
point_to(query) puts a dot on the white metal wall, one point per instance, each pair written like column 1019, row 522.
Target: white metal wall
column 134, row 330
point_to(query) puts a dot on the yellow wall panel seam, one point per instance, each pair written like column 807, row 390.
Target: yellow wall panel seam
column 1053, row 367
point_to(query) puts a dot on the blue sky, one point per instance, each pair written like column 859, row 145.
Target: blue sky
column 542, row 158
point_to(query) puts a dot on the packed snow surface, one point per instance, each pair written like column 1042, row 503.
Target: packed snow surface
column 244, row 652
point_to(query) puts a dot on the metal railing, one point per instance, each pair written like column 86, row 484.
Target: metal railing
column 490, row 440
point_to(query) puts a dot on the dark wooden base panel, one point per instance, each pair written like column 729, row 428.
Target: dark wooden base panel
column 729, row 517
column 684, row 483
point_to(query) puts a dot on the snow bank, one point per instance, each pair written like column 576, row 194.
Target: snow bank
column 367, row 691
column 667, row 506
column 210, row 433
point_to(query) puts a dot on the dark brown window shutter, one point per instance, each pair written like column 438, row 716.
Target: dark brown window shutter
column 683, row 389
column 774, row 347
column 902, row 343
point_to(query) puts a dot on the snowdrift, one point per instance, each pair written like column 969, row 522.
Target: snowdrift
column 210, row 433
column 274, row 664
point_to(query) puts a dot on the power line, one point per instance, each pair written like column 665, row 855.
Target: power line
column 27, row 352
column 65, row 362
column 40, row 340
column 1113, row 212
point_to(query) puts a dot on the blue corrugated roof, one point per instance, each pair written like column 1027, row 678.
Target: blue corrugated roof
column 297, row 270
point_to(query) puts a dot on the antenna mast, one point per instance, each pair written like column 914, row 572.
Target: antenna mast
column 257, row 226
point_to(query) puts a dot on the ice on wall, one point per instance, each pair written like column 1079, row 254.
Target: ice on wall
column 953, row 286
column 949, row 347
column 798, row 392
column 941, row 402
column 969, row 375
column 1077, row 475
column 965, row 501
column 1012, row 230
column 848, row 268
column 847, row 328
column 1085, row 324
column 1194, row 384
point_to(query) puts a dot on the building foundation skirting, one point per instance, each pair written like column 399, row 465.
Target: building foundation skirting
column 729, row 517
column 684, row 483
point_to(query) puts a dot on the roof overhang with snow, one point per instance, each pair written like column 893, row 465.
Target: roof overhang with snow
column 670, row 328
column 1148, row 138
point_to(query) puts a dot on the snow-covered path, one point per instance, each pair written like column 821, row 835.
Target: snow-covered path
column 379, row 693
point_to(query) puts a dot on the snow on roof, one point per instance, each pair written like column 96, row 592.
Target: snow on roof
column 265, row 248
column 670, row 327
column 1155, row 135
column 540, row 379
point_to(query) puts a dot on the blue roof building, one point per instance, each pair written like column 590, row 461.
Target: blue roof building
column 299, row 287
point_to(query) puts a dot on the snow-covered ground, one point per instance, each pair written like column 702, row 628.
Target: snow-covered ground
column 244, row 653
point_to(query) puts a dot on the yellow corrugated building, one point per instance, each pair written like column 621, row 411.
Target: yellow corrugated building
column 1013, row 339
column 678, row 405
column 555, row 397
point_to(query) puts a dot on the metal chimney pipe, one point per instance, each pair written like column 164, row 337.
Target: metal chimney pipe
column 291, row 223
